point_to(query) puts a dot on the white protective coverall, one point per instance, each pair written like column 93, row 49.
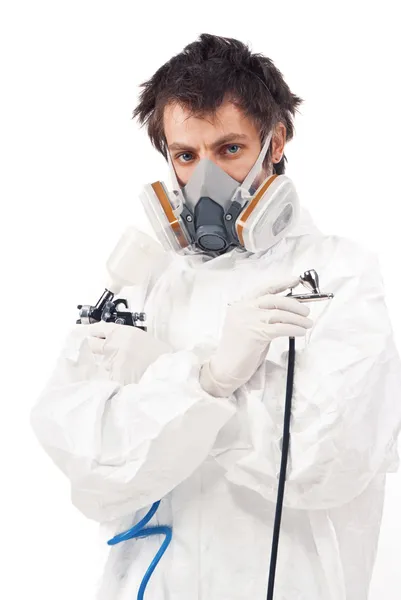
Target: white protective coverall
column 214, row 462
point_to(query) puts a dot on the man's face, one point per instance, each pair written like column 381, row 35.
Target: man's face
column 229, row 139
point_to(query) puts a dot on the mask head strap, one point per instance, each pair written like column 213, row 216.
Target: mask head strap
column 246, row 184
column 175, row 185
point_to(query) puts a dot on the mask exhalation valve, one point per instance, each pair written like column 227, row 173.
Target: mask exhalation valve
column 209, row 226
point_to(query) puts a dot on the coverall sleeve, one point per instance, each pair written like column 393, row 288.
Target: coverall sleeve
column 346, row 406
column 125, row 447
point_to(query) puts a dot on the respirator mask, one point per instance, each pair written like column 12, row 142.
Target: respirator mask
column 214, row 212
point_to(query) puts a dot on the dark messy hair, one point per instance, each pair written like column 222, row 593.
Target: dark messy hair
column 209, row 71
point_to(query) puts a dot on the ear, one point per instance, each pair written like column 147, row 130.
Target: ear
column 278, row 143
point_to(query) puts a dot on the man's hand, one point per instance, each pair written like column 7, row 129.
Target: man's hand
column 126, row 351
column 250, row 325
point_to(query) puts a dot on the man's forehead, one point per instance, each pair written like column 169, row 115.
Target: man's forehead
column 182, row 126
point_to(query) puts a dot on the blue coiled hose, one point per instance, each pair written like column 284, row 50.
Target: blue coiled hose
column 139, row 531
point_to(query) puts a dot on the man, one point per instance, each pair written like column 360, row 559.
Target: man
column 191, row 411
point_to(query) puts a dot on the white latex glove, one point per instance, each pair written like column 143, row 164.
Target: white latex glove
column 249, row 327
column 125, row 351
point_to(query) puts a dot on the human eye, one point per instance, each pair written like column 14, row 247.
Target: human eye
column 232, row 149
column 184, row 154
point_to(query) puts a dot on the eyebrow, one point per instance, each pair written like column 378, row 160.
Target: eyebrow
column 229, row 137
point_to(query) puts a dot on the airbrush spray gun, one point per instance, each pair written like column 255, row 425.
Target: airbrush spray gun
column 310, row 279
column 129, row 264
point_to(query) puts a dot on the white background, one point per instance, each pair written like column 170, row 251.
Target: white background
column 73, row 162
